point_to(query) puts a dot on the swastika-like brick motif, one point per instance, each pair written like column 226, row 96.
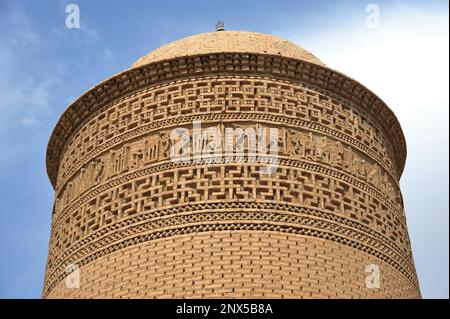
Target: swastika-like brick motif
column 239, row 99
column 137, row 223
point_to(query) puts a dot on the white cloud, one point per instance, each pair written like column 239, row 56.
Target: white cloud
column 25, row 85
column 405, row 61
column 85, row 34
column 108, row 55
column 82, row 35
column 23, row 34
column 27, row 121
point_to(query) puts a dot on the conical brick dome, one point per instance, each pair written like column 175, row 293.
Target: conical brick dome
column 228, row 41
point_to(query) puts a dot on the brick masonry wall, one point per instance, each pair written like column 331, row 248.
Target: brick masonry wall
column 138, row 224
column 236, row 264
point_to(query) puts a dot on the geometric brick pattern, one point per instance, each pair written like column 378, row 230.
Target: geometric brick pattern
column 140, row 225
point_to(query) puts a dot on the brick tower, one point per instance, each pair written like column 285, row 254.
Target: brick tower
column 130, row 220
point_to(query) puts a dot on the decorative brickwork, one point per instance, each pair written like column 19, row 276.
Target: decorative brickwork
column 138, row 224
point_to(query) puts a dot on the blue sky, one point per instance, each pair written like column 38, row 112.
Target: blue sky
column 44, row 66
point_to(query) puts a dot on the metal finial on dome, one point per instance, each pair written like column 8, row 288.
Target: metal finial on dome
column 220, row 26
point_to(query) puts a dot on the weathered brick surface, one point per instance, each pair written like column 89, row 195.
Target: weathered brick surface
column 138, row 224
column 236, row 264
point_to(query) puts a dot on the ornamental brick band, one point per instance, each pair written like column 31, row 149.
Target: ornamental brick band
column 134, row 223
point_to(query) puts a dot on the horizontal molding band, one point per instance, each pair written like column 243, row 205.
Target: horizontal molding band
column 216, row 221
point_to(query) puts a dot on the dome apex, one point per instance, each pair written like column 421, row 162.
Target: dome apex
column 228, row 41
